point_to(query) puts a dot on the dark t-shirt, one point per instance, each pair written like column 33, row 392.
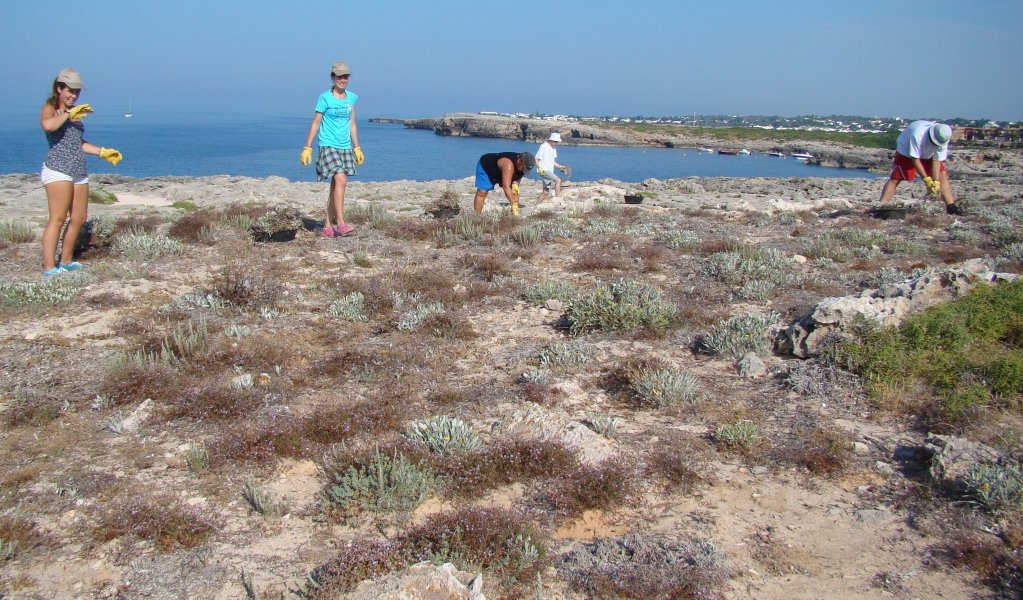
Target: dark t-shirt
column 489, row 163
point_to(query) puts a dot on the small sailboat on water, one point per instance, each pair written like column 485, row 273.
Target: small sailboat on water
column 128, row 114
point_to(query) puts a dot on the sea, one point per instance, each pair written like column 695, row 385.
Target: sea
column 200, row 145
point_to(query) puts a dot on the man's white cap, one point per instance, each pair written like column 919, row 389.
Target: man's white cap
column 555, row 137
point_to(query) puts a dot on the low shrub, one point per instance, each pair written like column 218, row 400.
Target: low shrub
column 139, row 245
column 996, row 488
column 622, row 305
column 16, row 232
column 51, row 291
column 741, row 435
column 601, row 487
column 444, row 435
column 539, row 293
column 506, row 462
column 741, row 334
column 384, row 483
column 662, row 387
column 161, row 519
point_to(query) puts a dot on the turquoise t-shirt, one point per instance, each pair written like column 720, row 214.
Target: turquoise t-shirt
column 335, row 126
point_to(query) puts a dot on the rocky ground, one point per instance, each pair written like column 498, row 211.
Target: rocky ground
column 207, row 475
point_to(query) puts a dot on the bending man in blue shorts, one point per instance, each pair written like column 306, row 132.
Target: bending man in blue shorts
column 503, row 169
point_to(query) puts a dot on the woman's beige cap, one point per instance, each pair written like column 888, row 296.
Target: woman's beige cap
column 70, row 78
column 340, row 68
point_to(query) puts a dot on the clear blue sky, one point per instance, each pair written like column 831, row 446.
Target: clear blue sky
column 940, row 58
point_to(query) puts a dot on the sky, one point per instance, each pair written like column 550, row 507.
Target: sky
column 892, row 58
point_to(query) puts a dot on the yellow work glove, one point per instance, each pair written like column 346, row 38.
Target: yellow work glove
column 540, row 171
column 515, row 206
column 359, row 156
column 307, row 156
column 79, row 112
column 515, row 190
column 113, row 156
column 932, row 186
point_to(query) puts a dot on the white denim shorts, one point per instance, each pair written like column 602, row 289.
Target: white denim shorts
column 49, row 176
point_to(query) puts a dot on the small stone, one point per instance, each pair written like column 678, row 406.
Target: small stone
column 860, row 449
column 799, row 258
column 554, row 305
column 760, row 470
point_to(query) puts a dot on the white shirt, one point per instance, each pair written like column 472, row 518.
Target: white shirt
column 915, row 142
column 545, row 157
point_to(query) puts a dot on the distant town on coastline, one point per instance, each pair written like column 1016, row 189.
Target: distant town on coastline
column 980, row 131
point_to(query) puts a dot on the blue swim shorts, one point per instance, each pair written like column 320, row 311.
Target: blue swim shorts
column 482, row 180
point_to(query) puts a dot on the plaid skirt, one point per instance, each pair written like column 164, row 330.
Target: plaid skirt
column 331, row 161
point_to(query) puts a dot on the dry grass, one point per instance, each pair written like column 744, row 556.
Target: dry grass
column 160, row 519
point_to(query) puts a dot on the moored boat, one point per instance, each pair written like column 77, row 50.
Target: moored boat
column 802, row 155
column 778, row 154
column 728, row 152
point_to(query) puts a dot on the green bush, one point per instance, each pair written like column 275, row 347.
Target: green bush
column 99, row 196
column 968, row 352
column 539, row 293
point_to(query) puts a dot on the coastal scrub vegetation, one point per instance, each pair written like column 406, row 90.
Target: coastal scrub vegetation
column 480, row 390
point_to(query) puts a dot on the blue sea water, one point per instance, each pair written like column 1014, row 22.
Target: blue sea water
column 260, row 147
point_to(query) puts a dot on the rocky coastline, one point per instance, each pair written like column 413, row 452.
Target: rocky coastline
column 826, row 154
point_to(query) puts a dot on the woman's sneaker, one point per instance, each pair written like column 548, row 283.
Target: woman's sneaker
column 343, row 229
column 54, row 271
column 73, row 266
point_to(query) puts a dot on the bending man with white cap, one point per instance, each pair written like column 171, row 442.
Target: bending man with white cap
column 923, row 146
column 546, row 163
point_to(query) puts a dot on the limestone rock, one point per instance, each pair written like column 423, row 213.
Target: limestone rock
column 751, row 366
column 952, row 458
column 889, row 305
column 422, row 581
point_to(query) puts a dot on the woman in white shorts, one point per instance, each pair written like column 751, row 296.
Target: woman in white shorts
column 63, row 174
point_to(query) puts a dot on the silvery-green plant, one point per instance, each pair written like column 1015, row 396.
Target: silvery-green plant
column 261, row 500
column 747, row 262
column 787, row 217
column 567, row 353
column 886, row 276
column 742, row 333
column 620, row 306
column 964, row 235
column 237, row 221
column 138, row 244
column 601, row 226
column 373, row 213
column 387, row 483
column 402, row 300
column 741, row 434
column 350, row 308
column 1012, row 252
column 196, row 457
column 603, row 423
column 676, row 239
column 101, row 402
column 996, row 488
column 413, row 318
column 278, row 218
column 540, row 375
column 826, row 245
column 900, row 245
column 360, row 257
column 269, row 313
column 539, row 293
column 444, row 435
column 237, row 330
column 639, row 230
column 558, row 227
column 526, row 236
column 756, row 290
column 823, row 263
column 199, row 301
column 661, row 387
column 466, row 227
column 16, row 232
column 50, row 291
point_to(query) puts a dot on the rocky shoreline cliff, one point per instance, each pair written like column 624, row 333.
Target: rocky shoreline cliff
column 826, row 154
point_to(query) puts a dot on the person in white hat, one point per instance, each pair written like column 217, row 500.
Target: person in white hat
column 63, row 174
column 546, row 163
column 923, row 146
